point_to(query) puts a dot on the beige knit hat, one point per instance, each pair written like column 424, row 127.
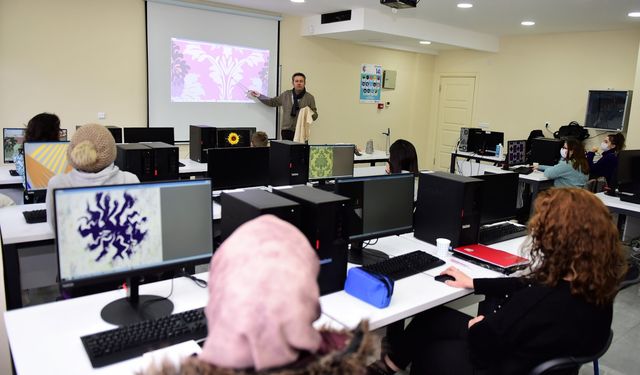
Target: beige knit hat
column 92, row 148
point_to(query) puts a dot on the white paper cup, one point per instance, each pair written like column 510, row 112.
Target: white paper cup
column 443, row 247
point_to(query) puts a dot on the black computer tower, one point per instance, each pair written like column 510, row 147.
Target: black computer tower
column 135, row 158
column 201, row 138
column 468, row 139
column 448, row 206
column 242, row 206
column 234, row 137
column 545, row 151
column 165, row 161
column 116, row 132
column 325, row 217
column 288, row 163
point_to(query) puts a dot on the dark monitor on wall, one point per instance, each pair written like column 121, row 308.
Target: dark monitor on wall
column 137, row 135
column 118, row 232
column 234, row 137
column 327, row 162
column 382, row 206
column 43, row 160
column 628, row 175
column 499, row 197
column 516, row 152
column 546, row 151
column 608, row 110
column 12, row 139
column 238, row 167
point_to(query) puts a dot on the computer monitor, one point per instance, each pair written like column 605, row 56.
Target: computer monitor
column 43, row 160
column 137, row 135
column 499, row 197
column 516, row 152
column 327, row 162
column 238, row 167
column 382, row 206
column 118, row 232
column 234, row 137
column 12, row 139
column 63, row 135
column 546, row 151
column 628, row 175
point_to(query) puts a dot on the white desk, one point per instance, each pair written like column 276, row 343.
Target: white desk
column 369, row 171
column 472, row 156
column 45, row 339
column 7, row 180
column 412, row 294
column 372, row 159
column 192, row 167
column 16, row 233
column 615, row 205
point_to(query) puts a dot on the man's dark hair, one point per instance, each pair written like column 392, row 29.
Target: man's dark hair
column 298, row 74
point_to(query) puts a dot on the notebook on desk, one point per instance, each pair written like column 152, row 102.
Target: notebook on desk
column 488, row 257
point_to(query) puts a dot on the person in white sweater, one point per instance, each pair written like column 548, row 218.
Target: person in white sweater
column 91, row 153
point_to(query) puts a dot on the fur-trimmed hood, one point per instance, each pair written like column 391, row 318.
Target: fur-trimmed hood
column 341, row 352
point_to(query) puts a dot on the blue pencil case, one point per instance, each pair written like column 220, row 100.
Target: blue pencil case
column 372, row 288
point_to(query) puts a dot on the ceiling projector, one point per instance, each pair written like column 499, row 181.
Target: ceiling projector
column 400, row 4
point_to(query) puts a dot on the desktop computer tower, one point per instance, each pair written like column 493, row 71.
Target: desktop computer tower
column 448, row 206
column 325, row 217
column 468, row 139
column 234, row 137
column 201, row 138
column 545, row 151
column 135, row 158
column 242, row 206
column 165, row 161
column 116, row 132
column 288, row 163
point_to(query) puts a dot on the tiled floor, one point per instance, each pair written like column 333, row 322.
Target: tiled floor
column 623, row 355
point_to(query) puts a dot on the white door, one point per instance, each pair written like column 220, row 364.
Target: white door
column 455, row 109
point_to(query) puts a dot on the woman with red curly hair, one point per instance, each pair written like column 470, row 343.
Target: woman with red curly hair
column 562, row 307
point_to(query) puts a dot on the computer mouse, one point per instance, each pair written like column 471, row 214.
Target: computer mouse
column 444, row 277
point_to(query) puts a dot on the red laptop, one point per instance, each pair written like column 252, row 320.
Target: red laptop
column 485, row 256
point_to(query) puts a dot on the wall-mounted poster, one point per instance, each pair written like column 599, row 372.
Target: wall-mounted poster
column 370, row 83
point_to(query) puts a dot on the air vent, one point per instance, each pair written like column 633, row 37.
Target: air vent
column 341, row 16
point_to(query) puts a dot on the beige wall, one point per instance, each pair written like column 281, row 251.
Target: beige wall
column 333, row 71
column 75, row 58
column 633, row 135
column 535, row 79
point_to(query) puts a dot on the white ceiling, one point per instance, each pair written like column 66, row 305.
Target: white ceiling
column 493, row 17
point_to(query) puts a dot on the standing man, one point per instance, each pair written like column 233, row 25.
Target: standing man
column 291, row 102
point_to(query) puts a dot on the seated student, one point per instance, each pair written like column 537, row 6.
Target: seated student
column 572, row 169
column 607, row 165
column 43, row 127
column 562, row 307
column 91, row 153
column 263, row 300
column 402, row 157
column 259, row 139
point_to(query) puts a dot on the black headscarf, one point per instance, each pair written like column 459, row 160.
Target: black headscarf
column 296, row 106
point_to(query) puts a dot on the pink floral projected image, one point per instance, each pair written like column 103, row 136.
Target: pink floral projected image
column 209, row 72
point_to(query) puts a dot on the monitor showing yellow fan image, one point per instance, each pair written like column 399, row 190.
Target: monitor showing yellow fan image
column 43, row 160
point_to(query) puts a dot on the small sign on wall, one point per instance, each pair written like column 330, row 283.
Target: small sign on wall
column 370, row 83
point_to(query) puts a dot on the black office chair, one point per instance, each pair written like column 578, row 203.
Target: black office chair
column 571, row 365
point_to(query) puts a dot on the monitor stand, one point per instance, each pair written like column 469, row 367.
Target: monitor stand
column 361, row 256
column 323, row 185
column 134, row 307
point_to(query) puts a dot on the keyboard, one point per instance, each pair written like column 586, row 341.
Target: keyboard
column 13, row 172
column 35, row 216
column 116, row 345
column 522, row 170
column 500, row 232
column 405, row 265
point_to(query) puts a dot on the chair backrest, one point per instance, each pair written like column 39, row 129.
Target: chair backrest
column 552, row 366
column 596, row 185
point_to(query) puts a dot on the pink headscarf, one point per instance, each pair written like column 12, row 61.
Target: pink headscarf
column 263, row 297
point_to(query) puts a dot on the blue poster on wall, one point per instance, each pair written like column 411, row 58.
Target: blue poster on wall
column 370, row 83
